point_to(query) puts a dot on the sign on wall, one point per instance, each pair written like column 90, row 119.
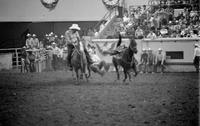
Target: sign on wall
column 49, row 4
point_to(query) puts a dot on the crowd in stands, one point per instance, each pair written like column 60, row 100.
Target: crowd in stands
column 161, row 23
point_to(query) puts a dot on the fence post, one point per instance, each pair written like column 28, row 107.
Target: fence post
column 17, row 58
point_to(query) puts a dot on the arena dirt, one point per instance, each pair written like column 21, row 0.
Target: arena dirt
column 53, row 99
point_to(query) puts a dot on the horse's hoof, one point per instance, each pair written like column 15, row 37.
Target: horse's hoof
column 126, row 83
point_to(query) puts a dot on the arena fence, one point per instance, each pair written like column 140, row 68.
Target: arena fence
column 16, row 56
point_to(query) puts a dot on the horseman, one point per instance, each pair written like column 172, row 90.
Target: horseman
column 72, row 39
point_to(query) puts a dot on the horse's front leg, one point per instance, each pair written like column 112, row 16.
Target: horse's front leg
column 116, row 68
column 129, row 76
column 125, row 75
column 77, row 76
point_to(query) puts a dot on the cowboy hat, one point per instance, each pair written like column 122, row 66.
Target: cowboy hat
column 34, row 35
column 196, row 45
column 53, row 43
column 143, row 49
column 75, row 26
column 159, row 49
column 28, row 35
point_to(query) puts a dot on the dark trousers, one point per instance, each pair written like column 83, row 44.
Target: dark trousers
column 54, row 62
column 70, row 48
column 32, row 66
column 196, row 63
column 159, row 65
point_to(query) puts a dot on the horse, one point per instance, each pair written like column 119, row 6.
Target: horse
column 79, row 62
column 126, row 60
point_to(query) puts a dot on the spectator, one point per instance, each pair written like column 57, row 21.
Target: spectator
column 143, row 61
column 31, row 58
column 95, row 33
column 102, row 25
column 139, row 33
column 90, row 32
column 29, row 41
column 151, row 60
column 36, row 43
column 160, row 60
column 151, row 35
column 126, row 18
column 55, row 52
column 196, row 57
column 163, row 31
column 192, row 34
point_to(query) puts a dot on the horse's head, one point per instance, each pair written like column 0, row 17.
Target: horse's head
column 133, row 45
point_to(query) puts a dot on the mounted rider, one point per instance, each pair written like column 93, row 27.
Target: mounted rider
column 72, row 39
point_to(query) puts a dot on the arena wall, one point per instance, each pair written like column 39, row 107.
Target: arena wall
column 175, row 45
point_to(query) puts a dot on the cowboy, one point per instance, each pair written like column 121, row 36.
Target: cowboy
column 35, row 42
column 24, row 60
column 72, row 39
column 196, row 57
column 160, row 60
column 143, row 60
column 31, row 58
column 97, row 62
column 151, row 60
column 61, row 41
column 55, row 53
column 29, row 41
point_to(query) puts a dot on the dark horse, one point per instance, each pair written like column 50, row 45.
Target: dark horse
column 126, row 60
column 79, row 62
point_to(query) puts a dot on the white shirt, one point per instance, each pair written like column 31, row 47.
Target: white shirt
column 95, row 58
column 56, row 50
column 197, row 51
column 160, row 57
column 126, row 19
column 151, row 35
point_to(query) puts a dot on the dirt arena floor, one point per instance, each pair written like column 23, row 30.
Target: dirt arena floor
column 53, row 99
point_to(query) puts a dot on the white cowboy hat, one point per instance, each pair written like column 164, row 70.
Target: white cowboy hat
column 159, row 49
column 53, row 43
column 28, row 35
column 143, row 49
column 56, row 36
column 50, row 34
column 149, row 49
column 34, row 35
column 75, row 26
column 196, row 45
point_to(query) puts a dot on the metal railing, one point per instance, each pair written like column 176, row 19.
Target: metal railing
column 107, row 17
column 16, row 56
